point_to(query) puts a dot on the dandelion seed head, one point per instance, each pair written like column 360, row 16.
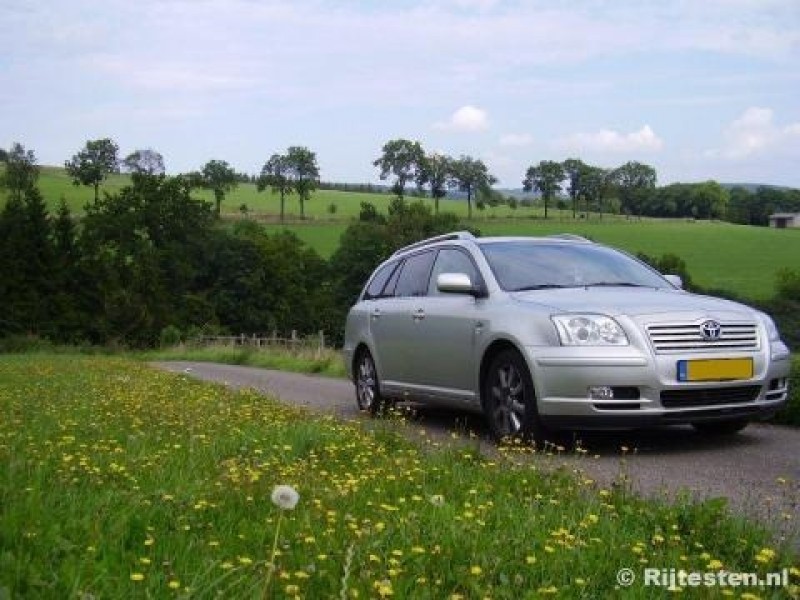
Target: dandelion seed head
column 285, row 497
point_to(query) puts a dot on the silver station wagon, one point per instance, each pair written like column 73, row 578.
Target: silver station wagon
column 542, row 334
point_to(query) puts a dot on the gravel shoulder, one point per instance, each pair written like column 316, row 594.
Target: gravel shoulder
column 758, row 470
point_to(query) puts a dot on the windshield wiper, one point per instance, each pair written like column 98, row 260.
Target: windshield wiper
column 543, row 286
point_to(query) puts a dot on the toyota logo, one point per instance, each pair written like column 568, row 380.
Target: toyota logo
column 711, row 330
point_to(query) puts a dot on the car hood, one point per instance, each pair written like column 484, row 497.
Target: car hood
column 634, row 302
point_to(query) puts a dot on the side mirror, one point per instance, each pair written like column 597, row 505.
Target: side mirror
column 675, row 280
column 457, row 283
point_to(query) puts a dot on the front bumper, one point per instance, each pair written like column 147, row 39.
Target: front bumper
column 648, row 391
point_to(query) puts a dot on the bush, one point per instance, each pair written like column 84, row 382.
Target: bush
column 22, row 344
column 170, row 336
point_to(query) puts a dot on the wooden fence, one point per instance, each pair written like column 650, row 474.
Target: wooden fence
column 295, row 342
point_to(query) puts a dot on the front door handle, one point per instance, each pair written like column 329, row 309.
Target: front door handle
column 418, row 315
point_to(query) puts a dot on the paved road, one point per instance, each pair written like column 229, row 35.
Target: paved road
column 758, row 470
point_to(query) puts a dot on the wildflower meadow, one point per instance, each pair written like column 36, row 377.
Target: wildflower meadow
column 121, row 481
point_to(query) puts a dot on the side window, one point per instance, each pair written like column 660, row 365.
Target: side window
column 375, row 287
column 451, row 260
column 413, row 279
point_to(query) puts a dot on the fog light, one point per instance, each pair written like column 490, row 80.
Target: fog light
column 601, row 392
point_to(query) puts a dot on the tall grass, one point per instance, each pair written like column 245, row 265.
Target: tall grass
column 117, row 481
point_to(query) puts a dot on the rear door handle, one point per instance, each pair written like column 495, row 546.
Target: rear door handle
column 418, row 315
column 376, row 314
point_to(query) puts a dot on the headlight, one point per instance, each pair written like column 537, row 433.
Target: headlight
column 772, row 330
column 589, row 330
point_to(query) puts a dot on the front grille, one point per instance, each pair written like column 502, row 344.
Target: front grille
column 709, row 396
column 688, row 337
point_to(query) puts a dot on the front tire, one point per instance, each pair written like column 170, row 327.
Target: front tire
column 509, row 399
column 729, row 427
column 368, row 391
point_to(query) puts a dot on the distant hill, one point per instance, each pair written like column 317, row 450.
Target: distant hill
column 752, row 187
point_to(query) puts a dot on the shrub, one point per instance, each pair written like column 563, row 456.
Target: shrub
column 170, row 336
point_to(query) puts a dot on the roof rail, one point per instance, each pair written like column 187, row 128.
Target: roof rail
column 571, row 237
column 456, row 235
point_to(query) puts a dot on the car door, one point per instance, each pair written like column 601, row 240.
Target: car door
column 394, row 322
column 444, row 356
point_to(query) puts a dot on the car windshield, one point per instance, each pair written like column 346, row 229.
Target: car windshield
column 522, row 265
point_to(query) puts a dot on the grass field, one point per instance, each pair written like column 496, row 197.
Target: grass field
column 56, row 184
column 741, row 259
column 119, row 481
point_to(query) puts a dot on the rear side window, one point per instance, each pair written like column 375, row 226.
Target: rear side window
column 413, row 279
column 378, row 283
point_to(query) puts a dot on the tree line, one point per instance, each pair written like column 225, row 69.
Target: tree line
column 629, row 189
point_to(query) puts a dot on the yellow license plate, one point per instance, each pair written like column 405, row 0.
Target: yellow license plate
column 719, row 369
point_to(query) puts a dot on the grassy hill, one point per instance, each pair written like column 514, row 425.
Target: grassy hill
column 742, row 259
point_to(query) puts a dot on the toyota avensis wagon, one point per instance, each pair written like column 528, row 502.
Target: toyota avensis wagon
column 558, row 333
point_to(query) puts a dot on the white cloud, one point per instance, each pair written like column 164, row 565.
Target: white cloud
column 516, row 140
column 755, row 132
column 608, row 140
column 467, row 119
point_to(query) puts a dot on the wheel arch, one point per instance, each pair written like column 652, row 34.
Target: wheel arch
column 493, row 349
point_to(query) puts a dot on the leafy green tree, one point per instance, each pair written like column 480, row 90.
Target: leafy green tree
column 402, row 159
column 144, row 162
column 436, row 171
column 574, row 168
column 595, row 184
column 92, row 164
column 144, row 250
column 304, row 173
column 276, row 174
column 20, row 173
column 546, row 178
column 635, row 183
column 219, row 177
column 471, row 175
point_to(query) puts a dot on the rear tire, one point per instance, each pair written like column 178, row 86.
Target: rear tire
column 509, row 400
column 368, row 389
column 730, row 427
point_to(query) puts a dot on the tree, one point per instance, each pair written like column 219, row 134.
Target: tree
column 91, row 165
column 470, row 175
column 546, row 177
column 403, row 159
column 436, row 171
column 144, row 162
column 304, row 173
column 20, row 172
column 275, row 174
column 595, row 183
column 574, row 168
column 219, row 177
column 26, row 265
column 634, row 181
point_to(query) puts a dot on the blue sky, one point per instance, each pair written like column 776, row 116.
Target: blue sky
column 700, row 89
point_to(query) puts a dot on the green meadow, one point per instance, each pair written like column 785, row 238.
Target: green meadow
column 121, row 481
column 741, row 259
